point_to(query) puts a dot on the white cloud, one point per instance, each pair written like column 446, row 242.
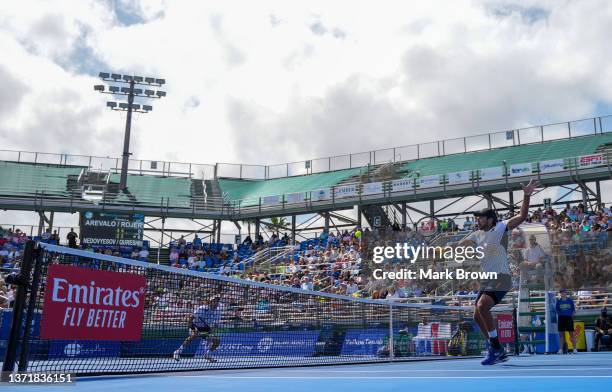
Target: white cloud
column 264, row 82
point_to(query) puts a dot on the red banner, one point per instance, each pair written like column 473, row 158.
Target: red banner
column 91, row 304
column 591, row 160
column 505, row 332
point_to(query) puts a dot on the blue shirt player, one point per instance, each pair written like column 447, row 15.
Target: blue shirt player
column 565, row 321
column 201, row 324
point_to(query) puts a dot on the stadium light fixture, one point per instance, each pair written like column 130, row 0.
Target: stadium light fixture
column 131, row 92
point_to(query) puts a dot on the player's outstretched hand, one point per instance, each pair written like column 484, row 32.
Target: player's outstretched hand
column 530, row 187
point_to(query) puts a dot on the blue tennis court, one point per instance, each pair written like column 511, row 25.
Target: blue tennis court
column 581, row 372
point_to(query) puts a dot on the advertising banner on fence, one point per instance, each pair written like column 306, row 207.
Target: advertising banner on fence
column 103, row 228
column 505, row 332
column 553, row 165
column 92, row 304
column 294, row 197
column 459, row 177
column 278, row 344
column 372, row 188
column 591, row 160
column 363, row 341
column 403, row 184
column 429, row 181
column 580, row 336
column 491, row 173
column 520, row 169
column 269, row 200
column 346, row 191
column 83, row 349
column 320, row 194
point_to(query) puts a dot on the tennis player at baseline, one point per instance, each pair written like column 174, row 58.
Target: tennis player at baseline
column 201, row 324
column 493, row 237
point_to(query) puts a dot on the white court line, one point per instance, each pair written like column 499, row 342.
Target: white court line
column 507, row 368
column 385, row 378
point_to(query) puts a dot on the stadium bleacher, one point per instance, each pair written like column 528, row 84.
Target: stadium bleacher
column 25, row 179
column 251, row 190
column 528, row 153
column 29, row 179
column 151, row 189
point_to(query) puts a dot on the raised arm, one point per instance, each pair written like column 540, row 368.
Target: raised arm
column 520, row 218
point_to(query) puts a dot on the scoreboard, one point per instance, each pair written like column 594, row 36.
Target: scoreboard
column 109, row 229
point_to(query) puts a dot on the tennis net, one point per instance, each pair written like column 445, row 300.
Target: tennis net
column 92, row 314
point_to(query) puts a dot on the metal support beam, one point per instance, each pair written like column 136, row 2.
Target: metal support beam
column 341, row 218
column 404, row 213
column 500, row 201
column 488, row 197
column 257, row 223
column 432, row 210
column 41, row 222
column 162, row 239
column 51, row 217
column 585, row 196
column 293, row 229
column 359, row 216
column 417, row 210
column 598, row 194
column 219, row 231
column 326, row 215
column 511, row 200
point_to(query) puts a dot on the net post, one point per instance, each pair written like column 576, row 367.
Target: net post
column 23, row 281
column 515, row 327
column 391, row 343
column 25, row 345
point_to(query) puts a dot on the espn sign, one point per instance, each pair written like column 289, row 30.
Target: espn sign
column 91, row 304
column 591, row 160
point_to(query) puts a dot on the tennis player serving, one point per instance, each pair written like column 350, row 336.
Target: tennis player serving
column 201, row 324
column 492, row 236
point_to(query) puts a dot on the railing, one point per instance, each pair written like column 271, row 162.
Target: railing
column 267, row 256
column 197, row 171
column 74, row 201
column 203, row 171
column 481, row 142
column 327, row 197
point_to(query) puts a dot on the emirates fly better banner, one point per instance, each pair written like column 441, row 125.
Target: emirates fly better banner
column 91, row 304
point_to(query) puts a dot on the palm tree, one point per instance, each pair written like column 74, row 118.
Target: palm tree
column 279, row 223
column 248, row 223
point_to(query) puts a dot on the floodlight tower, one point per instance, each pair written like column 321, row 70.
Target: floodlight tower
column 131, row 92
